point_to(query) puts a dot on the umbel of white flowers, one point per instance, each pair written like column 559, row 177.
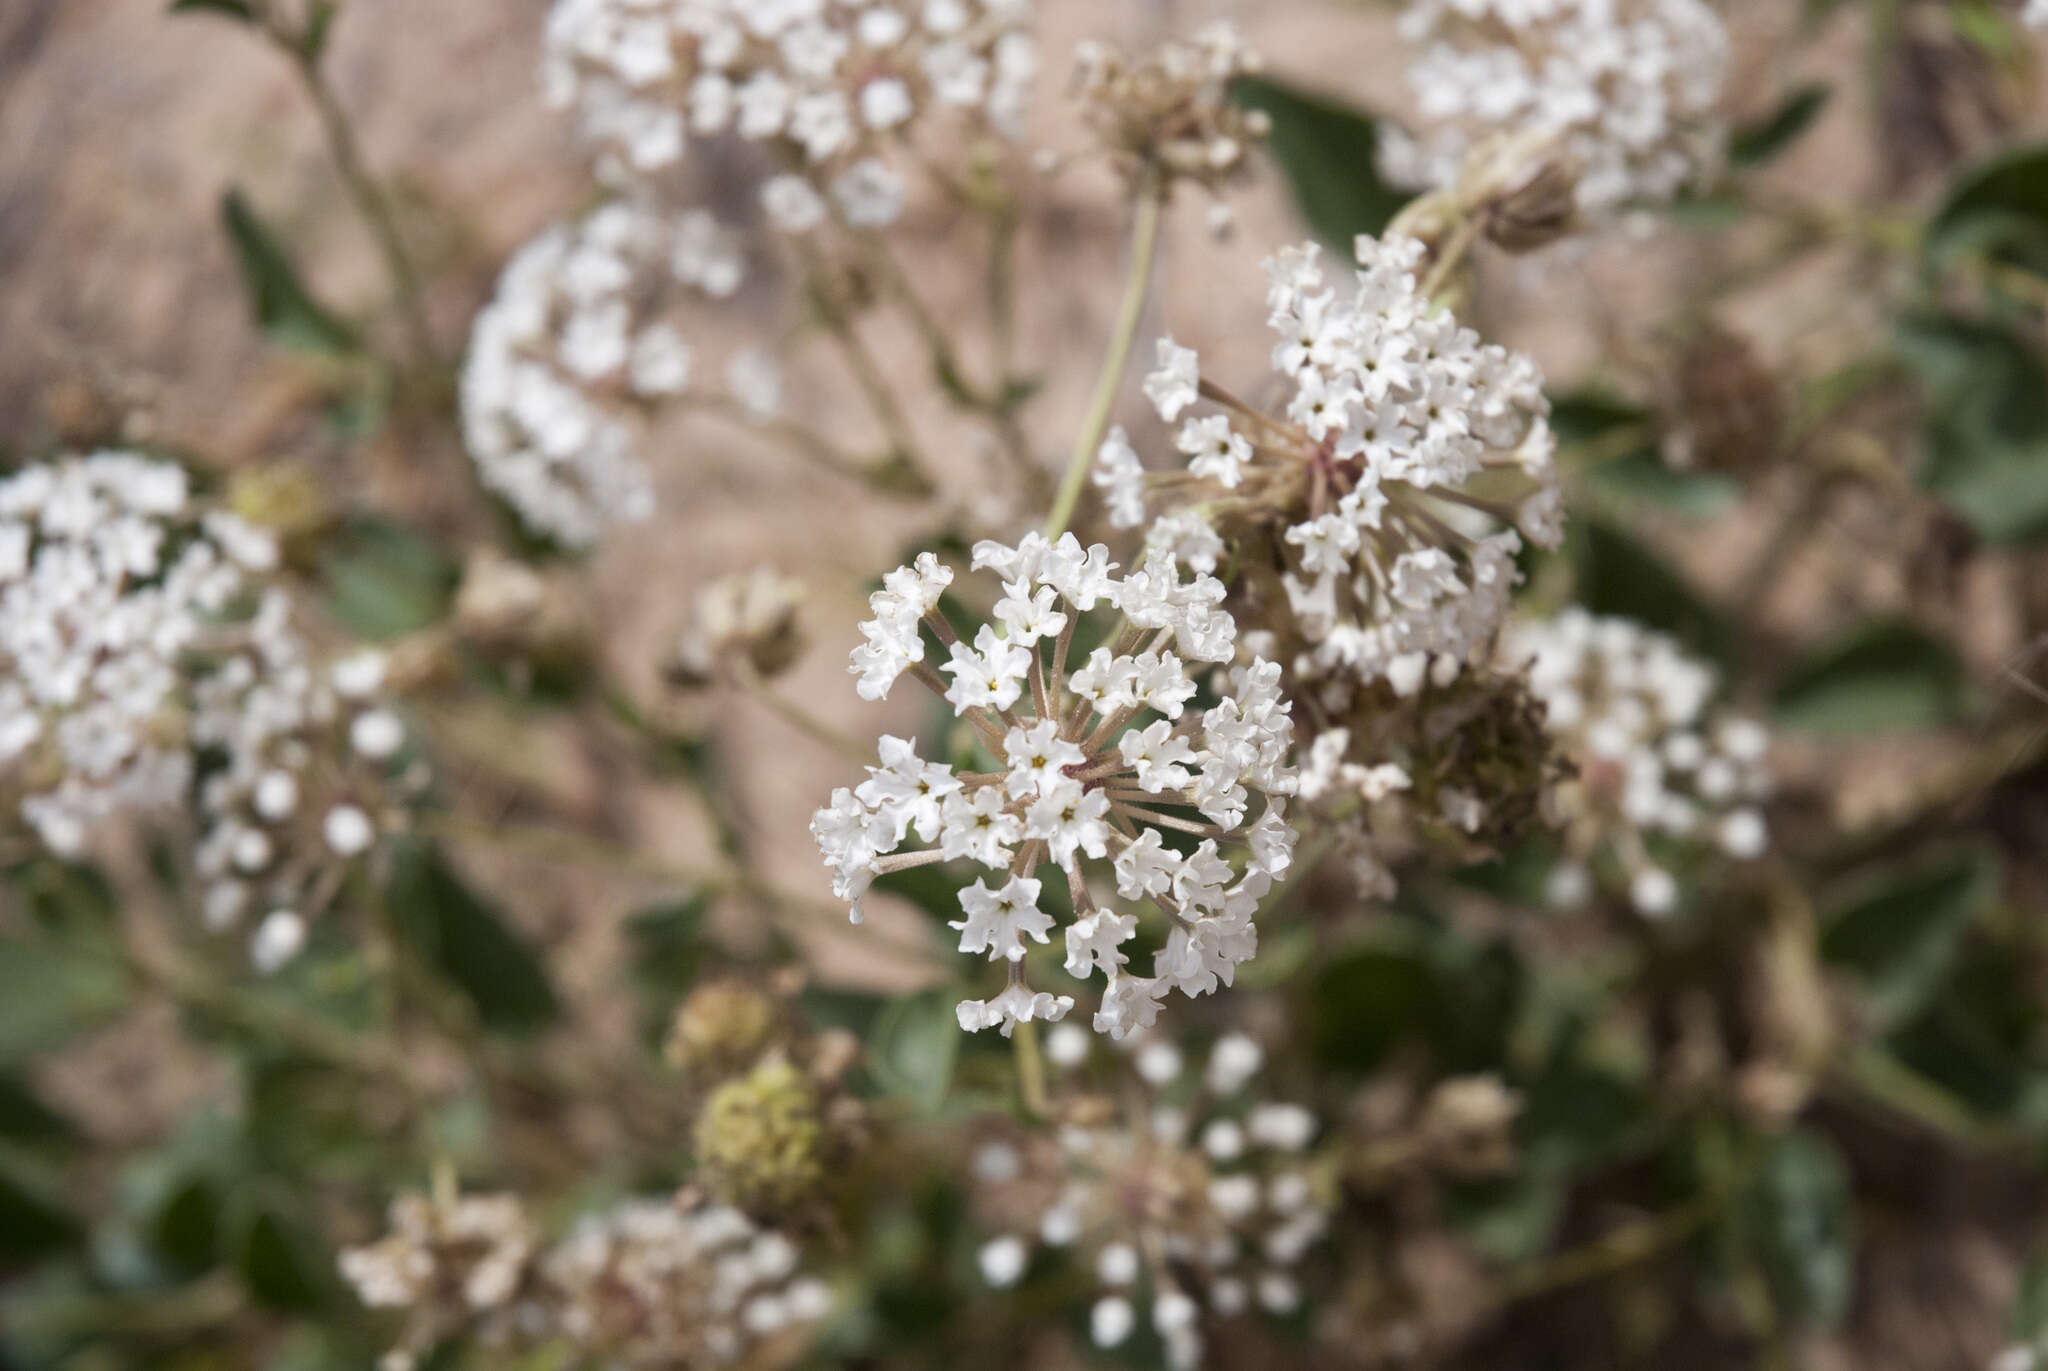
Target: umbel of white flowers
column 1630, row 90
column 648, row 1282
column 1202, row 1206
column 1656, row 760
column 1407, row 458
column 830, row 88
column 109, row 575
column 1108, row 761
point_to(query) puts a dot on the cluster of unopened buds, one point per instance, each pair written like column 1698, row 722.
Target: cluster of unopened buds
column 1659, row 765
column 1199, row 1203
column 646, row 1285
column 1628, row 90
column 775, row 1121
column 1109, row 758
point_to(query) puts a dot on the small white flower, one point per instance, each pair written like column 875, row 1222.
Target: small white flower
column 1003, row 1261
column 348, row 831
column 277, row 940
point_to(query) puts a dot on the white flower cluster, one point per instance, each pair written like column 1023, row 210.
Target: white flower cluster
column 110, row 575
column 1655, row 759
column 1630, row 89
column 1114, row 761
column 829, row 85
column 1171, row 114
column 2035, row 16
column 1392, row 467
column 296, row 784
column 646, row 1285
column 657, row 1286
column 565, row 354
column 1203, row 1206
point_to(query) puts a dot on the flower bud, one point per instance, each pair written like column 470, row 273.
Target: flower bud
column 506, row 607
column 721, row 1028
column 1536, row 208
column 1468, row 1125
column 760, row 1140
column 745, row 620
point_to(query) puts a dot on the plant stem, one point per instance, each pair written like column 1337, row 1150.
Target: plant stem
column 363, row 191
column 1624, row 1246
column 1144, row 248
column 1030, row 1069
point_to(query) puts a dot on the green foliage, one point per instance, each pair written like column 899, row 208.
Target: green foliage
column 34, row 1220
column 913, row 1047
column 2029, row 1324
column 1756, row 143
column 667, row 949
column 1888, row 676
column 25, row 1118
column 1616, row 574
column 468, row 941
column 239, row 10
column 1328, row 153
column 1987, row 422
column 278, row 298
column 1901, row 936
column 385, row 580
column 1999, row 207
column 1798, row 1219
column 1362, row 1003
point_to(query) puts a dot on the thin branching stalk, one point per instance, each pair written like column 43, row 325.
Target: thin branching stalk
column 1137, row 285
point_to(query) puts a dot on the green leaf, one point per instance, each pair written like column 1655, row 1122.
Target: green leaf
column 469, row 942
column 279, row 1259
column 1888, row 676
column 913, row 1046
column 1588, row 413
column 23, row 1115
column 666, row 950
column 1901, row 936
column 1987, row 423
column 1328, row 153
column 1756, row 143
column 185, row 1231
column 1999, row 207
column 385, row 580
column 1581, row 1109
column 34, row 1221
column 1644, row 475
column 1618, row 575
column 240, row 10
column 1510, row 1220
column 1797, row 1214
column 2029, row 1326
column 319, row 20
column 1365, row 1002
column 668, row 945
column 283, row 307
column 51, row 991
